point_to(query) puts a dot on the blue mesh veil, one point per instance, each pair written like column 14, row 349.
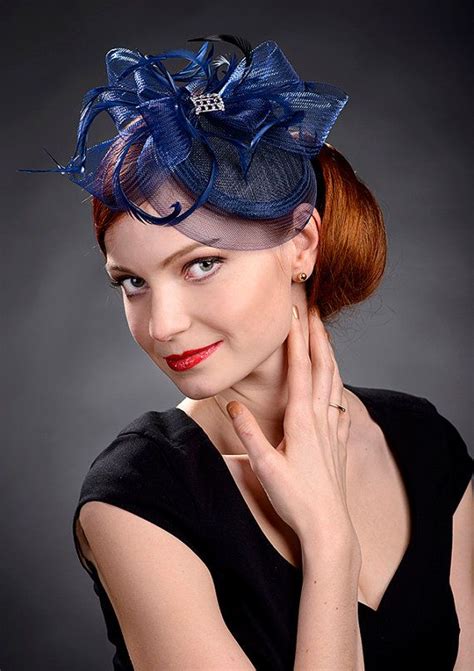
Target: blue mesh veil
column 220, row 149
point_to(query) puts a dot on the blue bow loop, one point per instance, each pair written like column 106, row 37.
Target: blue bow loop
column 270, row 72
column 171, row 136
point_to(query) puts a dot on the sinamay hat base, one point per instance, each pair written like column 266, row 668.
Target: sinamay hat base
column 233, row 216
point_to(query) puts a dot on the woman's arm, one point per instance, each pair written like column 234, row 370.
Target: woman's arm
column 162, row 593
column 462, row 578
column 328, row 636
column 304, row 477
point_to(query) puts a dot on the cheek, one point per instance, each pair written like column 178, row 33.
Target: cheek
column 137, row 325
column 257, row 310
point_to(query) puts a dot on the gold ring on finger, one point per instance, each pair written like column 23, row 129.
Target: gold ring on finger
column 339, row 407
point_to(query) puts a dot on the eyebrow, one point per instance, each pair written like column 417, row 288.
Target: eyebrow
column 164, row 264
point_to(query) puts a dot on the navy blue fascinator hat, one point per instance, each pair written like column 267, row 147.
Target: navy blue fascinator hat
column 220, row 149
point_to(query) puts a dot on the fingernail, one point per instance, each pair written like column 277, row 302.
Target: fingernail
column 233, row 409
column 296, row 314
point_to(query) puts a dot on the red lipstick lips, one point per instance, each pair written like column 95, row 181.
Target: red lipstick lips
column 190, row 358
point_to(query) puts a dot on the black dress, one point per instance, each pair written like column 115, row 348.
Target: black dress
column 164, row 468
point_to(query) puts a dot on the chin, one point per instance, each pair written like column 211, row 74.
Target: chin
column 196, row 384
column 198, row 391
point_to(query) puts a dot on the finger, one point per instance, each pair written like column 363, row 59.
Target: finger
column 339, row 421
column 337, row 384
column 322, row 365
column 250, row 434
column 336, row 417
column 342, row 436
column 299, row 403
column 345, row 421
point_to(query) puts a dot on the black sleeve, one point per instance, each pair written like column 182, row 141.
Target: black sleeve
column 459, row 463
column 138, row 473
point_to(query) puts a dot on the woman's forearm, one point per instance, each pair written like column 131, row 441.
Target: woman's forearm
column 328, row 637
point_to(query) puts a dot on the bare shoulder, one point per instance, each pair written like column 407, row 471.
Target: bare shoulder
column 162, row 593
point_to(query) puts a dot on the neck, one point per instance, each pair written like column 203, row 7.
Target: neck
column 267, row 406
column 264, row 393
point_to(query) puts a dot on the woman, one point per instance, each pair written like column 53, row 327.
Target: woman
column 276, row 518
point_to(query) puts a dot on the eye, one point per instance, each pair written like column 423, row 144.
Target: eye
column 212, row 260
column 207, row 263
column 120, row 282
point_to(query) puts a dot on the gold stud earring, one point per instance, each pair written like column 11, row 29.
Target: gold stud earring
column 302, row 277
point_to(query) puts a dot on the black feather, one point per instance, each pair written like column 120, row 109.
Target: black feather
column 240, row 42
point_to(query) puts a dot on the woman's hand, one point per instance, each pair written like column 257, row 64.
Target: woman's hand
column 304, row 477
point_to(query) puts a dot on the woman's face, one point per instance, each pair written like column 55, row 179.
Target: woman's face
column 205, row 295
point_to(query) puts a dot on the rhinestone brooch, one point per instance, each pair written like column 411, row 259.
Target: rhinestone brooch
column 207, row 102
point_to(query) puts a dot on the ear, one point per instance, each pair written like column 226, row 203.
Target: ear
column 306, row 245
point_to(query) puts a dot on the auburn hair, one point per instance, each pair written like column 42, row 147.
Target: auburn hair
column 352, row 247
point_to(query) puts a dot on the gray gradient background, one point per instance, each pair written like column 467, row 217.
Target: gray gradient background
column 74, row 376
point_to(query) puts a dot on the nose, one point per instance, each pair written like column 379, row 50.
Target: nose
column 168, row 317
